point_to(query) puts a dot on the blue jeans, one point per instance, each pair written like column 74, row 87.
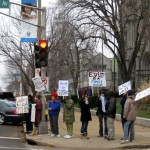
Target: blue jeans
column 84, row 126
column 129, row 130
column 101, row 117
column 54, row 124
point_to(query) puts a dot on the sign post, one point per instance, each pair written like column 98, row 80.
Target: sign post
column 4, row 3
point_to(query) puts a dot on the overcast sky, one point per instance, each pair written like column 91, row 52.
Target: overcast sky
column 45, row 3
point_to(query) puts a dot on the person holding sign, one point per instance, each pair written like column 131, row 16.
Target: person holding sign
column 38, row 113
column 85, row 116
column 101, row 104
column 53, row 110
column 68, row 116
column 129, row 116
column 29, row 126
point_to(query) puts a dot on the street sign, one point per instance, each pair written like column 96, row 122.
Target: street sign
column 4, row 3
column 45, row 81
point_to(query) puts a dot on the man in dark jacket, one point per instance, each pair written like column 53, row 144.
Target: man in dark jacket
column 111, row 115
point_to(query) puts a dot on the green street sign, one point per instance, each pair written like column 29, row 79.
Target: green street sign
column 4, row 3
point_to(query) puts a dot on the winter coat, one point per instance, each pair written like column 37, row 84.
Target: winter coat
column 68, row 113
column 55, row 107
column 38, row 110
column 122, row 103
column 130, row 109
column 111, row 111
column 85, row 111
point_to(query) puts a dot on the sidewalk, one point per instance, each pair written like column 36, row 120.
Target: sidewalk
column 142, row 136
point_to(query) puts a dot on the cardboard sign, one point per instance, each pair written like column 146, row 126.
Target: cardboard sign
column 124, row 87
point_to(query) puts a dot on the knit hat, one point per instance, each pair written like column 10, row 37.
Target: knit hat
column 131, row 92
column 54, row 94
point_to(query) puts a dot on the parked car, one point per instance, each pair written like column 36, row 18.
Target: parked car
column 8, row 112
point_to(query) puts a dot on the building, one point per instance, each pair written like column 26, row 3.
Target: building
column 98, row 63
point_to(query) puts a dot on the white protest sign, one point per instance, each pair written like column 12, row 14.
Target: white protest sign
column 33, row 111
column 38, row 84
column 97, row 79
column 22, row 105
column 124, row 87
column 142, row 94
column 63, row 86
column 45, row 81
column 37, row 72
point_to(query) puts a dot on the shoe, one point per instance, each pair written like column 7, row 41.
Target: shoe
column 105, row 137
column 124, row 141
column 67, row 136
column 52, row 135
column 110, row 139
column 132, row 141
column 58, row 136
column 82, row 135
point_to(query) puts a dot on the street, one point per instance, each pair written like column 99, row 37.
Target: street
column 11, row 138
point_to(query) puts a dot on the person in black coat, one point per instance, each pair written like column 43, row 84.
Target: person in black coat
column 85, row 115
column 29, row 126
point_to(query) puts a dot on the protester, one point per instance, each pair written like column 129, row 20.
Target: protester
column 29, row 126
column 68, row 116
column 129, row 117
column 122, row 103
column 101, row 104
column 85, row 116
column 111, row 115
column 54, row 109
column 38, row 113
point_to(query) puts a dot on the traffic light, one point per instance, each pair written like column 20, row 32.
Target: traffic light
column 41, row 54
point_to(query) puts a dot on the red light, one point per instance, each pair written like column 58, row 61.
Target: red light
column 43, row 43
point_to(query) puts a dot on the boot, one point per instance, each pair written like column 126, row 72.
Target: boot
column 82, row 135
column 35, row 131
column 86, row 136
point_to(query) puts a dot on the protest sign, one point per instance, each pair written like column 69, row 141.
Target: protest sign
column 38, row 84
column 33, row 111
column 97, row 79
column 63, row 86
column 22, row 105
column 124, row 87
column 142, row 94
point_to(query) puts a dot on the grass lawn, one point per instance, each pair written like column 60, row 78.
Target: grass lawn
column 142, row 112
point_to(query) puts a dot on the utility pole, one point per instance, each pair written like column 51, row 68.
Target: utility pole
column 41, row 34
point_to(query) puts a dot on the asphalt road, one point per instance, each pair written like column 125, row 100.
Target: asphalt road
column 11, row 137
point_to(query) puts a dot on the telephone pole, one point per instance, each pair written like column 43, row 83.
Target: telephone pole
column 41, row 34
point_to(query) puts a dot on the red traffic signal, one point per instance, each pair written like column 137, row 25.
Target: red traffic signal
column 43, row 44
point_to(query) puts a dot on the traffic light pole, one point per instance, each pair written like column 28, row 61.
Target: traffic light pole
column 43, row 127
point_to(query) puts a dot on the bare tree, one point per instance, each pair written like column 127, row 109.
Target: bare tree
column 68, row 50
column 110, row 20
